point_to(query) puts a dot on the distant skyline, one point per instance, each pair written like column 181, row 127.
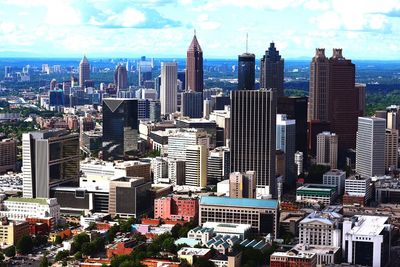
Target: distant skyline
column 365, row 29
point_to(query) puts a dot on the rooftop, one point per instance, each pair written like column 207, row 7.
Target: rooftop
column 193, row 251
column 323, row 217
column 369, row 225
column 42, row 201
column 239, row 202
column 317, row 249
column 319, row 187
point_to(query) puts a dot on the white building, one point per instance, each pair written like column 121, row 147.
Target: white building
column 298, row 161
column 337, row 178
column 179, row 139
column 21, row 208
column 159, row 165
column 370, row 147
column 366, row 240
column 327, row 149
column 176, row 171
column 196, row 166
column 359, row 186
column 286, row 142
column 168, row 88
column 223, row 120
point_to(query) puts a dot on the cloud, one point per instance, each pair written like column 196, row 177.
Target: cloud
column 204, row 23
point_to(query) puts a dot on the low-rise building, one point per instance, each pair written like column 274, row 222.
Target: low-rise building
column 12, row 232
column 190, row 254
column 325, row 254
column 293, row 258
column 316, row 193
column 337, row 178
column 230, row 259
column 176, row 208
column 22, row 208
column 358, row 187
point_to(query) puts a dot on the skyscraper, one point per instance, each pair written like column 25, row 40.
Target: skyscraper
column 145, row 68
column 196, row 165
column 242, row 185
column 121, row 77
column 272, row 70
column 391, row 149
column 327, row 149
column 192, row 104
column 84, row 71
column 253, row 136
column 318, row 102
column 120, row 127
column 49, row 158
column 194, row 67
column 246, row 71
column 286, row 142
column 168, row 88
column 370, row 150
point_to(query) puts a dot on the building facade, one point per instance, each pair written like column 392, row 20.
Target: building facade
column 176, row 208
column 194, row 67
column 327, row 149
column 272, row 70
column 246, row 71
column 168, row 88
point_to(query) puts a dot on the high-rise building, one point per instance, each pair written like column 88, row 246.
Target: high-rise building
column 295, row 108
column 370, row 150
column 194, row 67
column 179, row 139
column 360, row 87
column 192, row 104
column 285, row 141
column 318, row 102
column 196, row 165
column 272, row 70
column 145, row 68
column 7, row 71
column 8, row 155
column 155, row 110
column 327, row 149
column 242, row 185
column 344, row 100
column 84, row 71
column 176, row 171
column 121, row 77
column 53, row 84
column 246, row 71
column 120, row 128
column 253, row 136
column 218, row 165
column 160, row 169
column 391, row 149
column 298, row 161
column 337, row 178
column 49, row 158
column 168, row 94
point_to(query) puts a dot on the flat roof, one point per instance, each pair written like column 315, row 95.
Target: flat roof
column 369, row 225
column 239, row 202
column 42, row 201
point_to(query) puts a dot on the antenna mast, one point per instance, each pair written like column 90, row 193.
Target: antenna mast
column 247, row 42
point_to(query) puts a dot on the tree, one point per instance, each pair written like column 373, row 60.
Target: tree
column 169, row 245
column 58, row 240
column 25, row 245
column 44, row 262
column 79, row 240
column 62, row 255
column 92, row 226
column 78, row 256
column 87, row 249
column 203, row 262
column 10, row 251
column 2, row 257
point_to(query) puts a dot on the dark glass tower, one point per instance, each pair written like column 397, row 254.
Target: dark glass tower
column 120, row 128
column 253, row 135
column 121, row 77
column 192, row 104
column 246, row 71
column 272, row 70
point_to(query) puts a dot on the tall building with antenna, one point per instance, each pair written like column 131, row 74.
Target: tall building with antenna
column 246, row 70
column 272, row 70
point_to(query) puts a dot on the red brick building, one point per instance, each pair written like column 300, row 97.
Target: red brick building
column 176, row 208
column 41, row 225
column 293, row 258
column 121, row 248
column 157, row 262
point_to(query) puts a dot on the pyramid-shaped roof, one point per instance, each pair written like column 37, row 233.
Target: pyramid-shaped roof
column 84, row 60
column 194, row 45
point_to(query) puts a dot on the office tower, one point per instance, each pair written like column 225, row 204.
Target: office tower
column 242, row 185
column 318, row 102
column 344, row 100
column 194, row 67
column 367, row 240
column 84, row 71
column 129, row 197
column 298, row 162
column 179, row 139
column 196, row 165
column 49, row 158
column 121, row 77
column 155, row 110
column 182, row 78
column 361, row 87
column 392, row 117
column 370, row 150
column 280, row 168
column 391, row 149
column 145, row 68
column 160, row 169
column 327, row 149
column 246, row 71
column 286, row 142
column 74, row 81
column 218, row 165
column 8, row 155
column 53, row 84
column 253, row 136
column 272, row 70
column 206, row 109
column 381, row 114
column 120, row 128
column 295, row 108
column 337, row 178
column 357, row 190
column 157, row 85
column 143, row 109
column 176, row 171
column 168, row 93
column 192, row 104
column 7, row 71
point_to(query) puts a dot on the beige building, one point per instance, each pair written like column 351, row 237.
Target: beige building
column 391, row 147
column 196, row 165
column 242, row 185
column 12, row 232
column 327, row 149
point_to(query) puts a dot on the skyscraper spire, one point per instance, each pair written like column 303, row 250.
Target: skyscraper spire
column 247, row 42
column 194, row 66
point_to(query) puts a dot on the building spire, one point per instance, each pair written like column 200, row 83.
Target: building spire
column 247, row 42
column 194, row 32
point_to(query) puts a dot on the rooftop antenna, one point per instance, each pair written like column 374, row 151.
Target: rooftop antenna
column 247, row 42
column 194, row 32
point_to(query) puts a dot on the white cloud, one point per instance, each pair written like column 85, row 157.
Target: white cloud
column 202, row 22
column 130, row 17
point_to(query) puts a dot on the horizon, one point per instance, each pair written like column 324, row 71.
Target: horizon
column 164, row 28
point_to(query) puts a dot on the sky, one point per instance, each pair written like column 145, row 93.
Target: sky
column 365, row 29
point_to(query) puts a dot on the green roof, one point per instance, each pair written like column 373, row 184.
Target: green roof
column 42, row 201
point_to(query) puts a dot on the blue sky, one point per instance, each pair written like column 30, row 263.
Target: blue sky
column 365, row 29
